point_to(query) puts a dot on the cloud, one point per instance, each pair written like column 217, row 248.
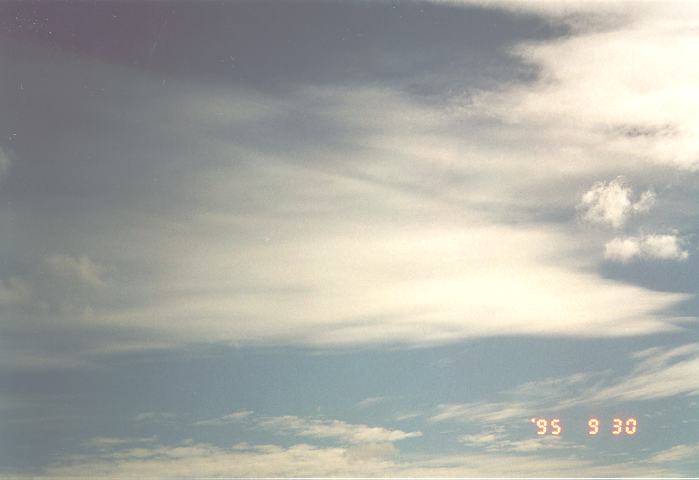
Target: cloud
column 676, row 454
column 189, row 459
column 335, row 429
column 595, row 91
column 484, row 412
column 653, row 246
column 82, row 269
column 234, row 417
column 661, row 373
column 156, row 417
column 497, row 440
column 14, row 290
column 353, row 281
column 318, row 428
column 370, row 402
column 427, row 230
column 611, row 203
column 4, row 161
column 106, row 443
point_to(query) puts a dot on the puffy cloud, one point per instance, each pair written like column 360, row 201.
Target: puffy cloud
column 655, row 246
column 612, row 203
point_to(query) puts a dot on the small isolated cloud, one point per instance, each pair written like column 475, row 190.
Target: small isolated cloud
column 612, row 203
column 370, row 402
column 655, row 246
column 82, row 269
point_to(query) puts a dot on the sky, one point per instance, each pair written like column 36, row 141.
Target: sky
column 324, row 239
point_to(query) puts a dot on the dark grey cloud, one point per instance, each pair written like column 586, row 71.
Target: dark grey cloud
column 275, row 44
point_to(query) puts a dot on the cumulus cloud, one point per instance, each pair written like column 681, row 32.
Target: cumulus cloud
column 654, row 246
column 612, row 202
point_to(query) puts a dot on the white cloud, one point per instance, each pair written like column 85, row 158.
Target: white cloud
column 105, row 443
column 154, row 417
column 612, row 202
column 496, row 440
column 484, row 412
column 81, row 268
column 362, row 278
column 390, row 238
column 654, row 246
column 370, row 402
column 190, row 459
column 234, row 417
column 335, row 429
column 676, row 454
column 315, row 427
column 622, row 249
column 661, row 373
column 619, row 88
